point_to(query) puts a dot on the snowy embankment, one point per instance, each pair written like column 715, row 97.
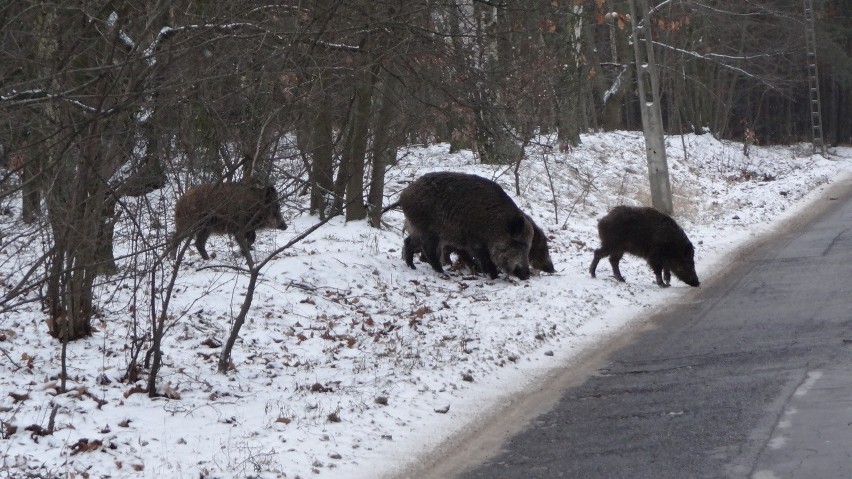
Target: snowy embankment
column 352, row 365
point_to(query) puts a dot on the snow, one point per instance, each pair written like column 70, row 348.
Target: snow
column 351, row 364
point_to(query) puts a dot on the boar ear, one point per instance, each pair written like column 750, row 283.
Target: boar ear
column 516, row 225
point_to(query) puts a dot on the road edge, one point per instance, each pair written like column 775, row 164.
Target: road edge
column 485, row 437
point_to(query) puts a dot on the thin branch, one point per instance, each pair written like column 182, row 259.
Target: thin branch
column 37, row 96
column 720, row 63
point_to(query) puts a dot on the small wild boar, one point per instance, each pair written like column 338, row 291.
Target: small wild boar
column 466, row 213
column 649, row 234
column 539, row 252
column 231, row 208
column 412, row 245
column 539, row 255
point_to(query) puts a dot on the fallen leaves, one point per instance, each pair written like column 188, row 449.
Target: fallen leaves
column 7, row 430
column 421, row 311
column 82, row 392
column 84, row 445
column 134, row 390
column 37, row 430
column 319, row 388
column 19, row 397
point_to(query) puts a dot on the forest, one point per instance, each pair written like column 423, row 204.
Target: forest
column 102, row 103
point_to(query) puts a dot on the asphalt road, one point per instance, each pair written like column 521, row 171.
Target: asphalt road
column 752, row 379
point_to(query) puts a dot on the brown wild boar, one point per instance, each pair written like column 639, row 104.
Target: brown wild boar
column 466, row 213
column 649, row 234
column 231, row 208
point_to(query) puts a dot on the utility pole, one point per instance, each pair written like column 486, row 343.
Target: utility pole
column 813, row 78
column 648, row 84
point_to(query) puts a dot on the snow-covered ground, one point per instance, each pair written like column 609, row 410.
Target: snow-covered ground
column 352, row 365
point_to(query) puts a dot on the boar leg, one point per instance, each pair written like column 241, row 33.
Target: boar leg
column 657, row 266
column 174, row 244
column 465, row 258
column 599, row 254
column 409, row 247
column 429, row 245
column 245, row 246
column 201, row 242
column 667, row 276
column 483, row 258
column 614, row 258
column 658, row 270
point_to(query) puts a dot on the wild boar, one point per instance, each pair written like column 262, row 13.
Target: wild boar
column 412, row 245
column 467, row 213
column 649, row 234
column 231, row 208
column 539, row 256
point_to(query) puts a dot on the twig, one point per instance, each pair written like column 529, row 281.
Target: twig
column 17, row 366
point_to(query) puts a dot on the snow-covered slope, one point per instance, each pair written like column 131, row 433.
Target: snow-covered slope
column 351, row 364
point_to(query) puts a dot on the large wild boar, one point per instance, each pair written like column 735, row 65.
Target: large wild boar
column 466, row 213
column 649, row 234
column 231, row 208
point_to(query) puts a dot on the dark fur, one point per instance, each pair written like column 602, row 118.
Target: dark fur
column 539, row 251
column 231, row 208
column 412, row 245
column 467, row 213
column 649, row 234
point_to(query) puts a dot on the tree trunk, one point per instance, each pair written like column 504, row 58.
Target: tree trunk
column 567, row 88
column 30, row 189
column 648, row 85
column 74, row 267
column 494, row 139
column 356, row 144
column 322, row 154
column 384, row 147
